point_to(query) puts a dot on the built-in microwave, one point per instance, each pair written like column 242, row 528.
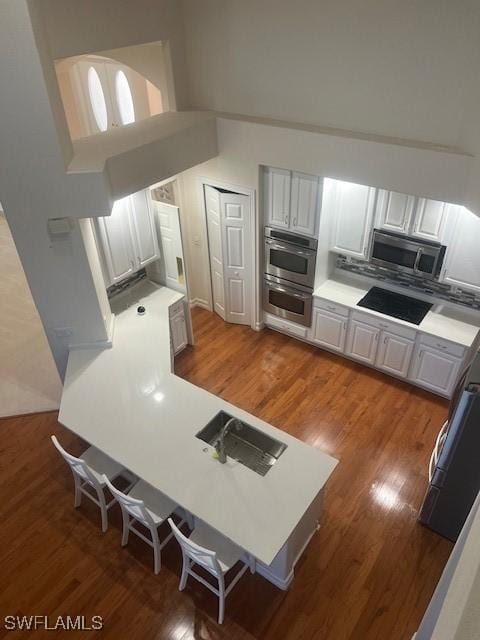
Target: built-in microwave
column 290, row 256
column 407, row 254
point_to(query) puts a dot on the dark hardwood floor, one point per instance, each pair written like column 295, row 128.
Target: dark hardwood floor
column 368, row 574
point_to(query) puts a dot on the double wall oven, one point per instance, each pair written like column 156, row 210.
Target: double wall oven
column 289, row 275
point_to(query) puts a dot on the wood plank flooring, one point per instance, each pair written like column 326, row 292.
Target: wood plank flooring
column 367, row 575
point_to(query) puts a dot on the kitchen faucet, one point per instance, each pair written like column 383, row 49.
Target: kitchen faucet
column 220, row 443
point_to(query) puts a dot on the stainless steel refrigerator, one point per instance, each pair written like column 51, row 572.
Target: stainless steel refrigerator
column 455, row 463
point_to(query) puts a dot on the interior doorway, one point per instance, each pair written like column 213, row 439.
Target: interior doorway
column 230, row 230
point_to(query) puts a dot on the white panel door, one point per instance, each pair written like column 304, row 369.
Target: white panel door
column 214, row 229
column 394, row 354
column 171, row 254
column 351, row 218
column 435, row 370
column 304, row 203
column 430, row 219
column 329, row 329
column 277, row 197
column 394, row 211
column 143, row 229
column 362, row 341
column 116, row 237
column 235, row 211
column 462, row 260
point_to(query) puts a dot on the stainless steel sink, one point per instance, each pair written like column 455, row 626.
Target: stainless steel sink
column 247, row 445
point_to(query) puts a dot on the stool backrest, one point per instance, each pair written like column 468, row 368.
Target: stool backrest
column 78, row 466
column 195, row 552
column 133, row 506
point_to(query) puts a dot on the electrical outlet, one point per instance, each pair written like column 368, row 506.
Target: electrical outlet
column 64, row 332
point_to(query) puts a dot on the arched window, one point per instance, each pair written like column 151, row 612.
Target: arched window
column 97, row 99
column 124, row 98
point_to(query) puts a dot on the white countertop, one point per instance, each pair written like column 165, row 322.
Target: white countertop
column 126, row 402
column 449, row 324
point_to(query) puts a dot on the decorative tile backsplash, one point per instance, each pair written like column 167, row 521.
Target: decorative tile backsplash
column 415, row 283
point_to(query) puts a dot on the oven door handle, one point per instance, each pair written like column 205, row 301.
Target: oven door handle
column 282, row 247
column 289, row 292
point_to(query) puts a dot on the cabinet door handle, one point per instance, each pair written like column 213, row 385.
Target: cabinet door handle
column 376, row 336
column 385, row 340
column 286, row 219
column 420, row 354
column 294, row 222
column 441, row 346
column 345, row 324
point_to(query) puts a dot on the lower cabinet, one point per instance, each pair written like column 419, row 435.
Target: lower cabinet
column 362, row 341
column 394, row 354
column 329, row 329
column 434, row 369
column 178, row 328
column 399, row 350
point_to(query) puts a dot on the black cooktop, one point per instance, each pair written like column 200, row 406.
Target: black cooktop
column 395, row 305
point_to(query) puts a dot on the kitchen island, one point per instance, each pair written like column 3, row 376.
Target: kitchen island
column 127, row 402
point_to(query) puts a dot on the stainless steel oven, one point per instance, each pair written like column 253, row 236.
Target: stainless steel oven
column 290, row 301
column 403, row 253
column 290, row 256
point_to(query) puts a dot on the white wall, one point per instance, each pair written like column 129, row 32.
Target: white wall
column 244, row 146
column 395, row 68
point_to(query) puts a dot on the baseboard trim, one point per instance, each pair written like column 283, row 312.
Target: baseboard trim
column 282, row 584
column 199, row 302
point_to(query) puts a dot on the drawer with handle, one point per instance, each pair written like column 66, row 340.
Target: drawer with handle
column 385, row 325
column 333, row 307
column 452, row 348
column 285, row 326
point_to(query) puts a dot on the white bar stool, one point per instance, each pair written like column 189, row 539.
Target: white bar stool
column 88, row 472
column 198, row 549
column 149, row 507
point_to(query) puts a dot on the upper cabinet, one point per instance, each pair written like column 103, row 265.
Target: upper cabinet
column 430, row 219
column 418, row 217
column 278, row 183
column 128, row 237
column 462, row 261
column 350, row 210
column 291, row 201
column 394, row 211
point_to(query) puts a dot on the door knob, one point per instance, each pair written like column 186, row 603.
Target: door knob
column 237, row 273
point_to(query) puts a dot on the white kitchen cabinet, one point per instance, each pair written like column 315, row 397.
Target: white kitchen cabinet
column 362, row 341
column 394, row 211
column 351, row 218
column 394, row 354
column 277, row 197
column 419, row 217
column 329, row 329
column 291, row 201
column 430, row 218
column 178, row 329
column 434, row 369
column 304, row 204
column 143, row 227
column 128, row 237
column 117, row 242
column 462, row 259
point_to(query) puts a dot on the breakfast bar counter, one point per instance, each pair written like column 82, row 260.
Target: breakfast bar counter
column 127, row 402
